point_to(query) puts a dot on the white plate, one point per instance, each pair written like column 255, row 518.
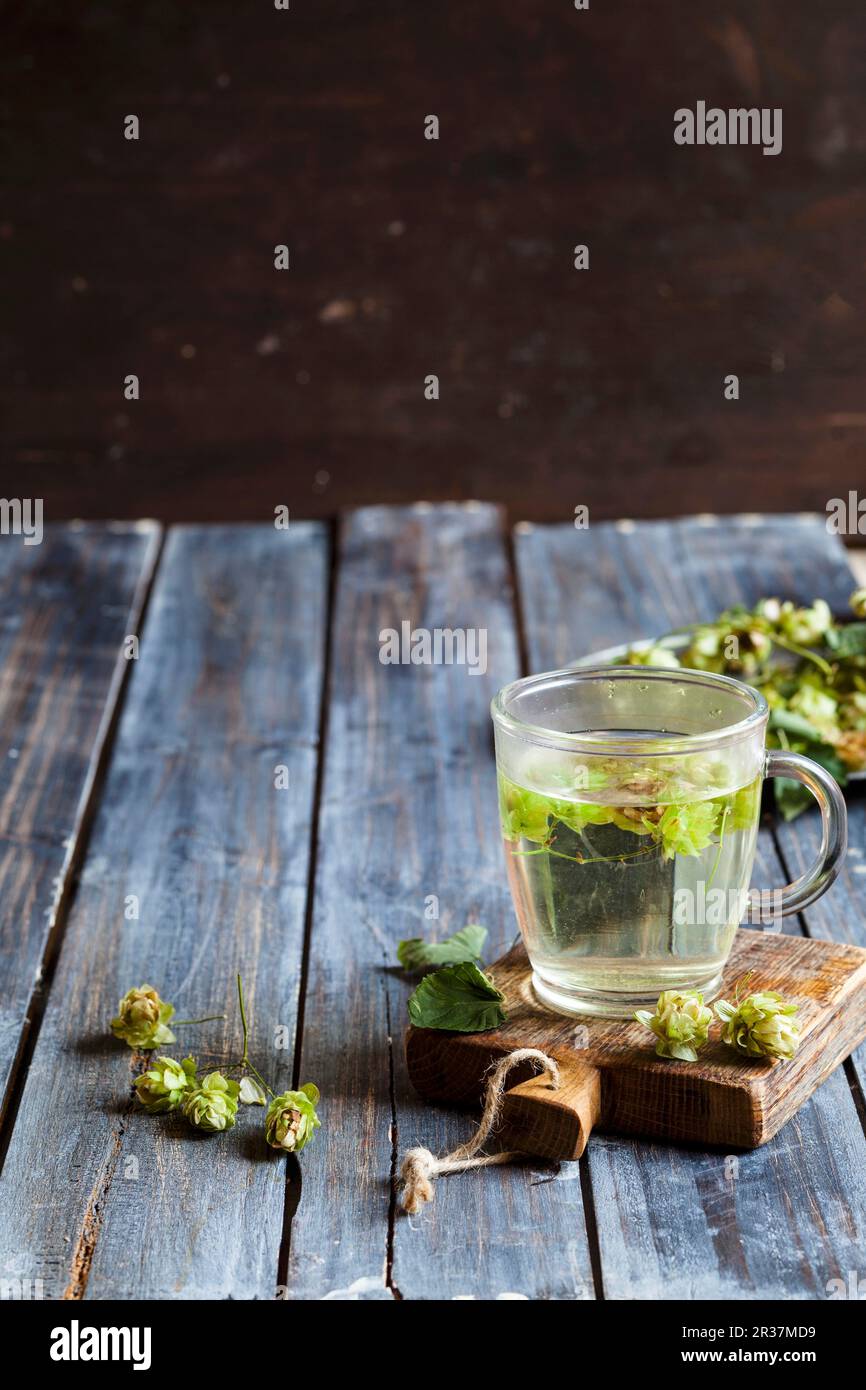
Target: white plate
column 611, row 655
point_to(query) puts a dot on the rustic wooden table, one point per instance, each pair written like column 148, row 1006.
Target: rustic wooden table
column 154, row 779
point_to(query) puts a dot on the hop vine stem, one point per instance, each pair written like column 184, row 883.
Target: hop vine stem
column 245, row 1059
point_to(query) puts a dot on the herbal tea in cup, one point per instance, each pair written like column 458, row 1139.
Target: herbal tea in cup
column 629, row 802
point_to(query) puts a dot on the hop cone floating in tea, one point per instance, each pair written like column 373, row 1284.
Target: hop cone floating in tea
column 681, row 1023
column 763, row 1025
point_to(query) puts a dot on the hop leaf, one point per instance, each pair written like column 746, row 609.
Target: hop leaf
column 466, row 944
column 763, row 1025
column 163, row 1086
column 292, row 1119
column 142, row 1019
column 681, row 1024
column 213, row 1104
column 457, row 997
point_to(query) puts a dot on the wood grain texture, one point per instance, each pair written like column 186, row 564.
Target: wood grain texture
column 99, row 1199
column 602, row 387
column 408, row 815
column 719, row 1100
column 66, row 605
column 782, row 1220
column 839, row 915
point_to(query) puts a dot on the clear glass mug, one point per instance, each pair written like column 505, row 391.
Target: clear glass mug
column 629, row 802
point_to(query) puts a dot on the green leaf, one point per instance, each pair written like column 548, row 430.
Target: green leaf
column 849, row 640
column 826, row 755
column 459, row 998
column 794, row 724
column 466, row 944
column 792, row 798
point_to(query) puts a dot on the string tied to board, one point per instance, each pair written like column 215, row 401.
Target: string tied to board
column 420, row 1167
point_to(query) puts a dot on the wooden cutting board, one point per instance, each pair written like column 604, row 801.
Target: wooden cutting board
column 612, row 1079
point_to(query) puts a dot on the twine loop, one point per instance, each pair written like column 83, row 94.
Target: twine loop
column 420, row 1167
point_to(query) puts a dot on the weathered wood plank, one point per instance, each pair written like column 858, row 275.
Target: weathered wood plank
column 227, row 687
column 824, row 571
column 409, row 813
column 67, row 605
column 779, row 1222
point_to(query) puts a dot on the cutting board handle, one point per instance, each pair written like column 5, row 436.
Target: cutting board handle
column 553, row 1124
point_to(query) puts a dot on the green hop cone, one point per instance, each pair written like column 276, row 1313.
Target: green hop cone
column 806, row 625
column 858, row 603
column 653, row 656
column 142, row 1019
column 292, row 1118
column 212, row 1105
column 163, row 1086
column 681, row 1023
column 763, row 1025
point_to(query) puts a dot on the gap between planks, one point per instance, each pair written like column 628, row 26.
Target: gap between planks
column 294, row 1181
column 293, row 1176
column 586, row 1192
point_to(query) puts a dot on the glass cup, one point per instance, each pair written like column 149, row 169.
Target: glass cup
column 629, row 802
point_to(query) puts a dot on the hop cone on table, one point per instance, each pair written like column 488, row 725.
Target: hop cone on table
column 213, row 1104
column 142, row 1019
column 763, row 1025
column 163, row 1086
column 681, row 1023
column 292, row 1118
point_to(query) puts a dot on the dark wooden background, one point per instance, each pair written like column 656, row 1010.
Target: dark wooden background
column 409, row 257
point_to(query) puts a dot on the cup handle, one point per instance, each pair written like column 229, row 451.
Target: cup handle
column 834, row 836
